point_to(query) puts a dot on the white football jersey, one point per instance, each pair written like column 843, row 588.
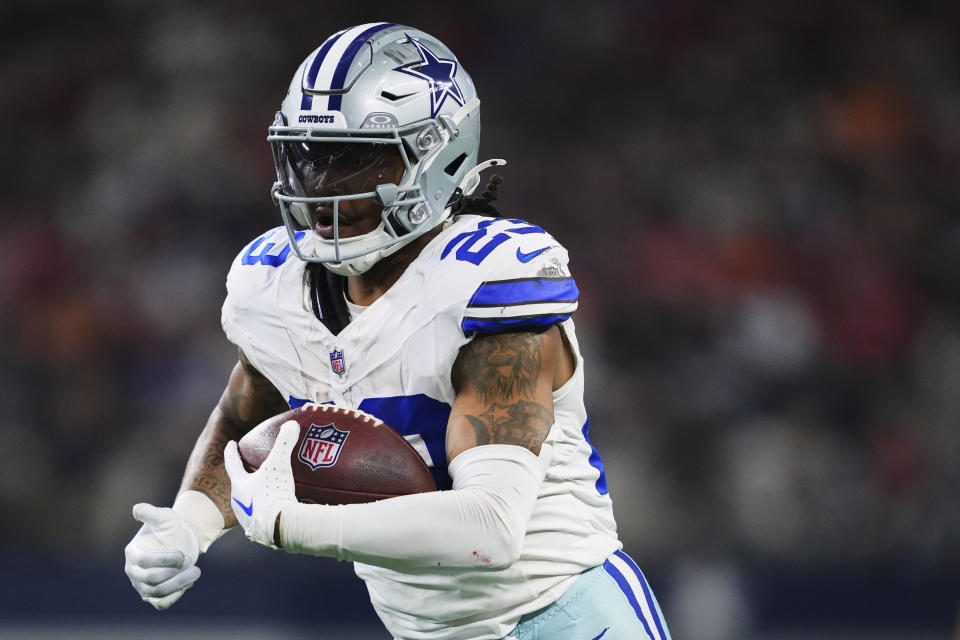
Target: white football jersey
column 478, row 276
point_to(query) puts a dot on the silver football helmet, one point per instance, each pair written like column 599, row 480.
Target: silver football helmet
column 365, row 96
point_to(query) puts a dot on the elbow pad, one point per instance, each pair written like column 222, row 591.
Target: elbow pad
column 481, row 522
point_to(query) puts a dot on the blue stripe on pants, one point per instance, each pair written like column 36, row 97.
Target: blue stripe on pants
column 651, row 601
column 627, row 591
column 605, row 602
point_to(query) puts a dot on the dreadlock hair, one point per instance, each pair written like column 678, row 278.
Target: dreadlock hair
column 481, row 204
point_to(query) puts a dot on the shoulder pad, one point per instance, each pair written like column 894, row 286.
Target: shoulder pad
column 520, row 280
column 252, row 284
column 269, row 249
column 258, row 262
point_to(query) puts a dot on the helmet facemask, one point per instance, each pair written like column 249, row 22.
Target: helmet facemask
column 331, row 137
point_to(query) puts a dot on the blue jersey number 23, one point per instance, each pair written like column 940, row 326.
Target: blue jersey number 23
column 467, row 240
column 264, row 256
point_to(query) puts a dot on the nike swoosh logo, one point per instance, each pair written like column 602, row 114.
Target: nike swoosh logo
column 602, row 633
column 247, row 510
column 527, row 257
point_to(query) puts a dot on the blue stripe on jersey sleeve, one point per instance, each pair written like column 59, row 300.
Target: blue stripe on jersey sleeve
column 471, row 326
column 526, row 291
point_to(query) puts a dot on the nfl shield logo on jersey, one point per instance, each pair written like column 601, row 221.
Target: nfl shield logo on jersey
column 321, row 447
column 337, row 363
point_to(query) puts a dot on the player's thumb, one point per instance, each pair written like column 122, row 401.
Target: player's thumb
column 149, row 514
column 287, row 438
column 231, row 460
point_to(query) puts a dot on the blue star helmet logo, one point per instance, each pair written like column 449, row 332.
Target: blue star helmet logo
column 439, row 72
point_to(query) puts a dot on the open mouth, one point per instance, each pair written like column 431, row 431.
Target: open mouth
column 323, row 224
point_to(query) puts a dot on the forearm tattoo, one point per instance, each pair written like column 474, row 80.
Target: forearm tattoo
column 208, row 475
column 249, row 399
column 503, row 372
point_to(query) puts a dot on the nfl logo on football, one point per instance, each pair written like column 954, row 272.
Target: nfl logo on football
column 322, row 446
column 336, row 362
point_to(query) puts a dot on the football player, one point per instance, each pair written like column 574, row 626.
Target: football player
column 392, row 289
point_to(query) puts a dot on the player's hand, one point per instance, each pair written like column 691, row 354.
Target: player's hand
column 258, row 497
column 161, row 558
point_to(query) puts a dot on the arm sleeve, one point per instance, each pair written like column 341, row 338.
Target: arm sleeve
column 480, row 523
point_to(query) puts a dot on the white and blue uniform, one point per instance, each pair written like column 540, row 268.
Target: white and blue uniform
column 478, row 276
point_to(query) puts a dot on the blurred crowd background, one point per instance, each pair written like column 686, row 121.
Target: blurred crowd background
column 761, row 206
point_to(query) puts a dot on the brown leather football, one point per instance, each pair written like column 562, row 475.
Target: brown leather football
column 343, row 456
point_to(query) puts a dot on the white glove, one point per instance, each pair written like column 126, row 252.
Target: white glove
column 161, row 558
column 258, row 497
